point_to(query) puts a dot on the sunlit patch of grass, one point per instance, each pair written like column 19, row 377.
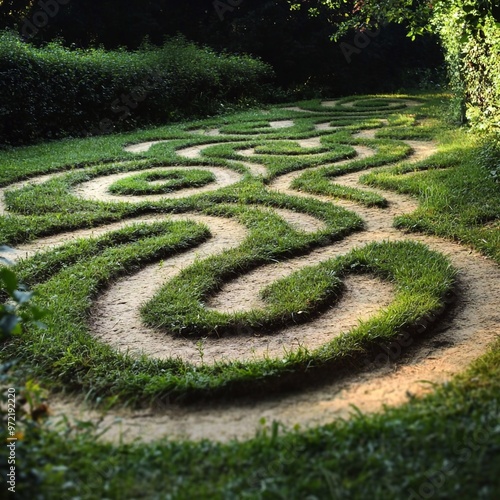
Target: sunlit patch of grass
column 457, row 196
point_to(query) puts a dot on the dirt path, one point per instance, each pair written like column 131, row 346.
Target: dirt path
column 457, row 341
column 116, row 317
column 142, row 147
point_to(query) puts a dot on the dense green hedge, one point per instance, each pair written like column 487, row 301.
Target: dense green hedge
column 54, row 92
column 481, row 70
column 470, row 34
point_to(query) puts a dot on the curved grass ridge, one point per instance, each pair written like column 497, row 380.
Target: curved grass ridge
column 321, row 181
column 166, row 182
column 70, row 277
column 81, row 362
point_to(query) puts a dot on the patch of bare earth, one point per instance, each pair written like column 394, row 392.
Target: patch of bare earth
column 389, row 379
column 116, row 318
column 298, row 109
column 325, row 126
column 143, row 146
column 282, row 124
column 196, row 151
column 312, row 142
column 213, row 132
column 254, row 168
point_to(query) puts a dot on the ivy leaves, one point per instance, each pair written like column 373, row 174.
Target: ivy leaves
column 18, row 308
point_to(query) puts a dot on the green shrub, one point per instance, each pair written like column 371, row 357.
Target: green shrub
column 16, row 303
column 471, row 39
column 55, row 92
column 489, row 156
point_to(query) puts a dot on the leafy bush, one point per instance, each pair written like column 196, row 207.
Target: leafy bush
column 489, row 156
column 54, row 92
column 481, row 69
column 16, row 307
column 469, row 31
column 470, row 34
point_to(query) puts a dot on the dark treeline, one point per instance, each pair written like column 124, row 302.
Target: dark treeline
column 294, row 43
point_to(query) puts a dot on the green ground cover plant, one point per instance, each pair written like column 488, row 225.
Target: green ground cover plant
column 447, row 441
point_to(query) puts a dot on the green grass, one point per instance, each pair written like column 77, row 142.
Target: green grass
column 281, row 164
column 173, row 180
column 288, row 148
column 445, row 445
column 322, row 182
column 362, row 105
column 459, row 200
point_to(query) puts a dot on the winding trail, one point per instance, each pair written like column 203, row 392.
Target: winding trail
column 459, row 339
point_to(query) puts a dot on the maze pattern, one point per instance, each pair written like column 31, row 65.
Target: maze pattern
column 305, row 278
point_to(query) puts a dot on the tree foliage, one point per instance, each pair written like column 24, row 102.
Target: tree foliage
column 296, row 44
column 417, row 15
column 469, row 31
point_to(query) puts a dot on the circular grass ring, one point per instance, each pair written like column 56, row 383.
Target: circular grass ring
column 161, row 182
column 374, row 103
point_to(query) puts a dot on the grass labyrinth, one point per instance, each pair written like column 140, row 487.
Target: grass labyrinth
column 223, row 258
